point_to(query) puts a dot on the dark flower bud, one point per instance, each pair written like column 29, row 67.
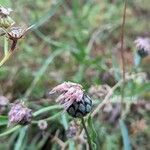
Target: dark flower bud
column 81, row 108
column 20, row 114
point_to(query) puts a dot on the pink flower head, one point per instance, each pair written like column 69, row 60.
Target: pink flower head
column 69, row 93
column 20, row 114
column 143, row 43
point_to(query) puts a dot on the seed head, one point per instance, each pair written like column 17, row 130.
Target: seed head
column 20, row 114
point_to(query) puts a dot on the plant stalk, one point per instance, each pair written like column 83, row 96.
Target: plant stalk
column 87, row 134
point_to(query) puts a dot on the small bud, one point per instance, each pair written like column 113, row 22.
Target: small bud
column 20, row 114
column 42, row 124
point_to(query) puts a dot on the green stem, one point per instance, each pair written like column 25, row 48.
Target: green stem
column 87, row 134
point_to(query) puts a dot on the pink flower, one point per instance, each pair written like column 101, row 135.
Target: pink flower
column 69, row 93
column 20, row 114
column 143, row 43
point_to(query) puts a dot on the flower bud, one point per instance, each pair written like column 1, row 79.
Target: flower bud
column 20, row 114
column 42, row 124
column 81, row 108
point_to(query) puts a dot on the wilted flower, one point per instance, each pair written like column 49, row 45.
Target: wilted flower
column 143, row 46
column 73, row 99
column 16, row 33
column 72, row 130
column 4, row 12
column 20, row 114
column 5, row 20
column 42, row 124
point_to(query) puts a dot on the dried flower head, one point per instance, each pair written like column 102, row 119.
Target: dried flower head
column 16, row 33
column 143, row 46
column 5, row 20
column 73, row 99
column 20, row 114
column 72, row 130
column 4, row 12
column 42, row 124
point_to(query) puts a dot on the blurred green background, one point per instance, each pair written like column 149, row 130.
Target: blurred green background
column 79, row 41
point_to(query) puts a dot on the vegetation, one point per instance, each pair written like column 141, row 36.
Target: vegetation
column 94, row 43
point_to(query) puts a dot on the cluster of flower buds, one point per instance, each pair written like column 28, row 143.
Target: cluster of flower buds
column 20, row 114
column 143, row 46
column 5, row 20
column 73, row 99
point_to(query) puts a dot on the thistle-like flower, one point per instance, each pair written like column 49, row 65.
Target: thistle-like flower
column 20, row 114
column 143, row 46
column 73, row 99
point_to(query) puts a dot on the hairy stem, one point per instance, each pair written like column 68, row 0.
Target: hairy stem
column 87, row 134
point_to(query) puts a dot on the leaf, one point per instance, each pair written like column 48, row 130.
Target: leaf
column 125, row 135
column 42, row 110
column 11, row 130
column 3, row 120
column 92, row 131
column 20, row 139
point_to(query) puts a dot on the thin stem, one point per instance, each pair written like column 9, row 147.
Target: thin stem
column 87, row 134
column 122, row 49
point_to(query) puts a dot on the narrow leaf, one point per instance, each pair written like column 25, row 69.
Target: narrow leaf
column 11, row 130
column 125, row 136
